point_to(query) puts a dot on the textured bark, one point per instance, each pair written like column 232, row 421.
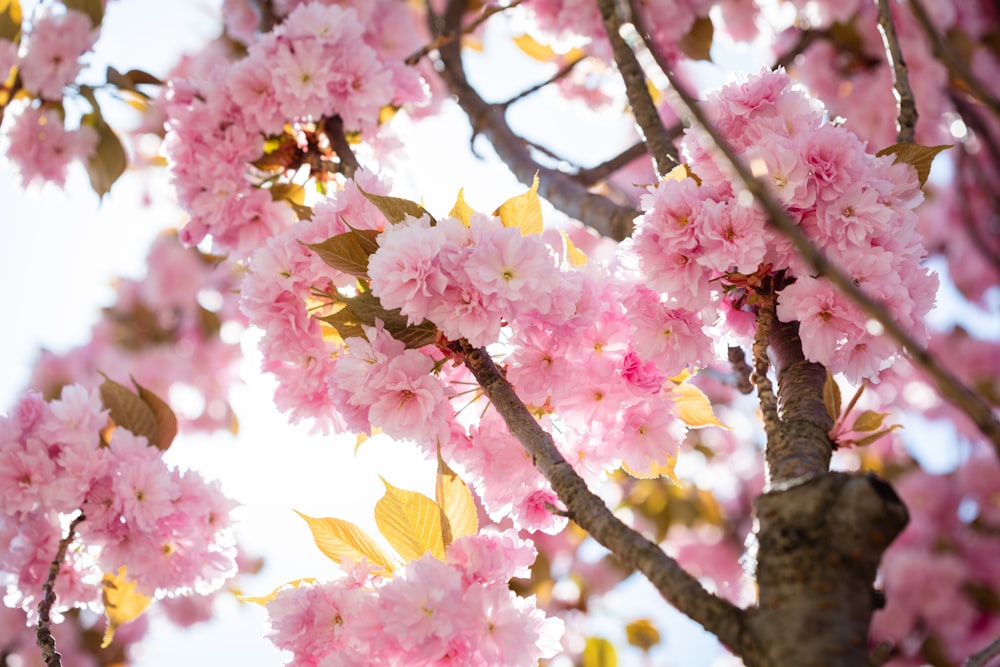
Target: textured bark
column 820, row 535
column 801, row 448
column 819, row 545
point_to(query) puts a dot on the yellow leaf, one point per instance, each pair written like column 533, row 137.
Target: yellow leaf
column 680, row 377
column 523, row 211
column 693, row 407
column 411, row 522
column 573, row 254
column 656, row 469
column 534, row 49
column 339, row 539
column 456, row 504
column 869, row 420
column 461, row 210
column 599, row 652
column 831, row 396
column 264, row 599
column 10, row 20
column 122, row 603
column 680, row 172
column 642, row 633
column 920, row 157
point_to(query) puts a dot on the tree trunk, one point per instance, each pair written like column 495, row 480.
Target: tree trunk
column 820, row 535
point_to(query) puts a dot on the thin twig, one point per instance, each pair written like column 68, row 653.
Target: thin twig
column 647, row 118
column 950, row 386
column 956, row 66
column 599, row 172
column 560, row 73
column 765, row 390
column 560, row 189
column 44, row 637
column 984, row 657
column 677, row 586
column 906, row 105
column 451, row 35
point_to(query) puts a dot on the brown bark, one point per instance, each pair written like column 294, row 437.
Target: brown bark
column 820, row 535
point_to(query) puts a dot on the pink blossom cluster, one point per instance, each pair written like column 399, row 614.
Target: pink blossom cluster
column 579, row 23
column 592, row 354
column 47, row 60
column 940, row 573
column 169, row 529
column 858, row 208
column 459, row 611
column 286, row 285
column 468, row 279
column 166, row 331
column 316, row 64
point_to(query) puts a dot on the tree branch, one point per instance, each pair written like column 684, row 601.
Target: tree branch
column 958, row 69
column 561, row 190
column 677, row 586
column 647, row 118
column 984, row 657
column 448, row 36
column 741, row 369
column 951, row 387
column 44, row 637
column 560, row 73
column 802, row 446
column 906, row 105
column 591, row 175
column 333, row 127
column 765, row 392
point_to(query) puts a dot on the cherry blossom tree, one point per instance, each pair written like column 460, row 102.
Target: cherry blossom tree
column 712, row 357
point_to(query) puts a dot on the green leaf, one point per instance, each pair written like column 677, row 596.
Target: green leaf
column 348, row 252
column 697, row 43
column 166, row 420
column 365, row 308
column 410, row 522
column 831, row 396
column 869, row 420
column 458, row 509
column 92, row 8
column 128, row 410
column 395, row 209
column 108, row 162
column 920, row 157
column 599, row 652
column 10, row 22
column 339, row 539
column 643, row 634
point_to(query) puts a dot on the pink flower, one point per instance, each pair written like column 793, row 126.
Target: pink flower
column 42, row 148
column 55, row 45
